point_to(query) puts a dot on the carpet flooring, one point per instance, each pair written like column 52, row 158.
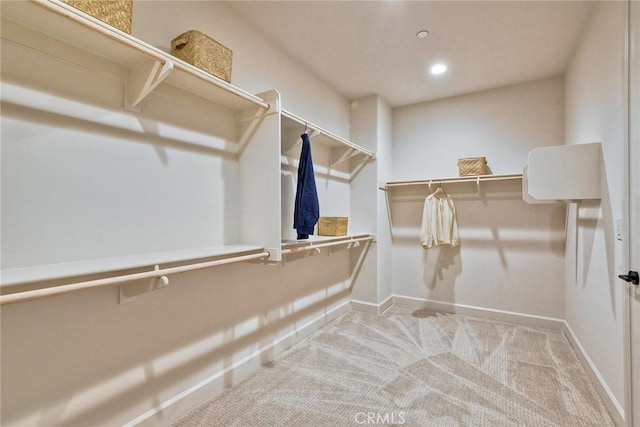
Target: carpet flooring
column 414, row 368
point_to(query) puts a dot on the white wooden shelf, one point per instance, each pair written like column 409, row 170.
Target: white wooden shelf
column 318, row 242
column 563, row 173
column 336, row 161
column 52, row 31
column 289, row 244
column 17, row 276
column 148, row 65
column 451, row 180
column 342, row 150
column 389, row 186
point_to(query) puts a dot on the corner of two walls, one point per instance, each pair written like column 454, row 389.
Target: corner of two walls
column 595, row 112
column 371, row 128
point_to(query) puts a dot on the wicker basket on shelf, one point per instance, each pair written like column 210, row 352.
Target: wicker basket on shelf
column 204, row 52
column 116, row 13
column 472, row 166
column 333, row 225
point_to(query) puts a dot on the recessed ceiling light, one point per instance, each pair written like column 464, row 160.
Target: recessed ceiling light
column 438, row 69
column 422, row 34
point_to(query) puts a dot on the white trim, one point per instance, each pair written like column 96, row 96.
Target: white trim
column 386, row 304
column 367, row 307
column 180, row 404
column 613, row 406
column 631, row 203
column 487, row 313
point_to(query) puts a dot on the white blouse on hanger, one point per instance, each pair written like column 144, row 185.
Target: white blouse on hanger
column 439, row 223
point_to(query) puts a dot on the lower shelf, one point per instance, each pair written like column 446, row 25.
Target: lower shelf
column 39, row 273
column 290, row 246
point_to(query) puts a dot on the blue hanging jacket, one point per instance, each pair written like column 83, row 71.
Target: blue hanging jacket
column 307, row 208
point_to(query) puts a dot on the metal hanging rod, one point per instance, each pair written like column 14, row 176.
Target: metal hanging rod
column 119, row 280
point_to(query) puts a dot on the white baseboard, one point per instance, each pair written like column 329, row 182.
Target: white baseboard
column 486, row 313
column 613, row 406
column 367, row 307
column 191, row 398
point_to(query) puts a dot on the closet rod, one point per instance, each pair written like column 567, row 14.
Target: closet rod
column 324, row 245
column 478, row 178
column 118, row 280
column 329, row 134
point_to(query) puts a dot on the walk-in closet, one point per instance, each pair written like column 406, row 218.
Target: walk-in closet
column 319, row 213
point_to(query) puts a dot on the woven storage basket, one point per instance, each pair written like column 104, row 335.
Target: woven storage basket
column 116, row 13
column 204, row 52
column 472, row 166
column 333, row 225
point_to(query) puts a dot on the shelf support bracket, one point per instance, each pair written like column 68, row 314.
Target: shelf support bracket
column 314, row 133
column 142, row 80
column 129, row 292
column 361, row 164
column 347, row 246
column 387, row 196
column 251, row 118
column 345, row 155
column 248, row 133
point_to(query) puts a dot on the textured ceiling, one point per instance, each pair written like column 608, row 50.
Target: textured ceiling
column 370, row 47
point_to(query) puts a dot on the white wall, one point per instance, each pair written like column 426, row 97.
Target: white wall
column 502, row 125
column 82, row 359
column 258, row 65
column 384, row 154
column 594, row 112
column 371, row 128
column 364, row 132
column 75, row 188
column 511, row 253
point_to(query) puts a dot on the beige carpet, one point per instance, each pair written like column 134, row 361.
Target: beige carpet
column 415, row 369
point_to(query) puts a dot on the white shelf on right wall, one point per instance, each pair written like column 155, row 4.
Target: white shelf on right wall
column 563, row 173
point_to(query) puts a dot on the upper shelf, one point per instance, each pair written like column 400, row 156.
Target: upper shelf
column 563, row 173
column 149, row 65
column 342, row 150
column 458, row 179
column 296, row 123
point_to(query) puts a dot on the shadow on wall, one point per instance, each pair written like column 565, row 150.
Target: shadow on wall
column 595, row 219
column 126, row 359
column 288, row 197
column 505, row 243
column 438, row 261
column 148, row 130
